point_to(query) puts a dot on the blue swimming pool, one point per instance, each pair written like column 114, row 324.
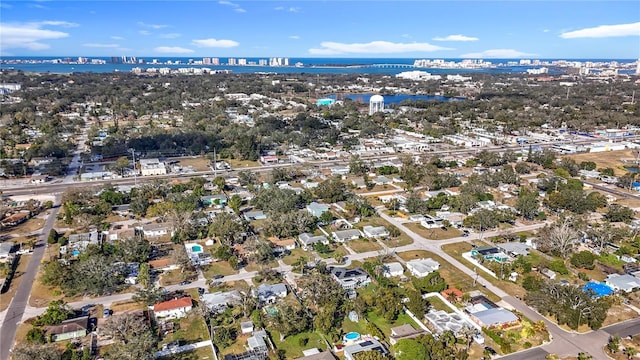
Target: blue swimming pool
column 352, row 336
column 196, row 248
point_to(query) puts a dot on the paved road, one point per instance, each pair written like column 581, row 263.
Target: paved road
column 531, row 354
column 623, row 329
column 13, row 314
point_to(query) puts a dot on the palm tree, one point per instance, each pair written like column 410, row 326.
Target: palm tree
column 630, row 351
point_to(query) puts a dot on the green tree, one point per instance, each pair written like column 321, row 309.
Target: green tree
column 144, row 276
column 56, row 312
column 53, row 236
column 331, row 190
column 36, row 352
column 527, row 203
column 417, row 304
column 36, row 335
column 583, row 259
column 619, row 213
column 235, row 202
column 119, row 166
column 223, row 336
column 225, row 227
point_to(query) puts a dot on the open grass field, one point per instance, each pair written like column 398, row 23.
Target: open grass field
column 433, row 234
column 364, row 245
column 218, row 267
column 607, row 159
column 125, row 306
column 191, row 329
column 291, row 344
column 452, row 275
column 5, row 298
column 199, row 353
column 26, row 228
column 295, row 255
column 239, row 164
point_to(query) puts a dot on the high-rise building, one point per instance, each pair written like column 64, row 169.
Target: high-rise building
column 638, row 67
column 286, row 61
column 215, row 61
column 206, row 61
column 242, row 62
column 231, row 61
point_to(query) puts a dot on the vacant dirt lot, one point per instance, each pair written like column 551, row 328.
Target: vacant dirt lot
column 607, row 159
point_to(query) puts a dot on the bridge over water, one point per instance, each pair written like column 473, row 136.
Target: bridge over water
column 392, row 66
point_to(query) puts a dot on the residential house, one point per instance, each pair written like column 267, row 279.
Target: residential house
column 422, row 267
column 317, row 209
column 307, row 240
column 121, row 232
column 78, row 243
column 405, row 331
column 155, row 230
column 627, row 258
column 375, row 231
column 430, row 222
column 345, row 235
column 256, row 342
column 548, row 273
column 382, row 180
column 350, row 278
column 15, row 219
column 626, row 282
column 370, row 344
column 494, row 317
column 216, row 199
column 246, row 327
column 270, row 293
column 515, row 249
column 392, row 269
column 173, row 309
column 282, row 245
column 452, row 294
column 122, row 210
column 152, row 167
column 163, row 264
column 254, row 215
column 69, row 329
column 339, row 170
column 359, row 183
column 219, row 301
column 317, row 355
column 6, row 251
column 490, row 253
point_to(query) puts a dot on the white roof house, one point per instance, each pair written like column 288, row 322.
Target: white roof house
column 307, row 240
column 422, row 267
column 344, row 235
column 269, row 293
column 350, row 278
column 375, row 231
column 367, row 345
column 218, row 301
column 626, row 282
column 494, row 317
column 392, row 269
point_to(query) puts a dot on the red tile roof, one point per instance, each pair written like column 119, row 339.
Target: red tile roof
column 173, row 304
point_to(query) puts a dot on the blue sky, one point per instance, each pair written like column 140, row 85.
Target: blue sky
column 329, row 28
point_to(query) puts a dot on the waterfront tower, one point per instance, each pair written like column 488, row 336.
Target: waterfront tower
column 376, row 104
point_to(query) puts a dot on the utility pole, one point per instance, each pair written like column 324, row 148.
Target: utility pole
column 135, row 171
column 215, row 164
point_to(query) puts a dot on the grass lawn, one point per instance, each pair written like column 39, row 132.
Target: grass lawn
column 5, row 297
column 257, row 267
column 606, row 159
column 172, row 277
column 438, row 304
column 433, row 234
column 386, row 325
column 334, row 248
column 26, row 227
column 237, row 347
column 364, row 245
column 127, row 305
column 450, row 273
column 42, row 295
column 239, row 164
column 292, row 346
column 456, row 251
column 192, row 329
column 295, row 255
column 218, row 267
column 401, row 240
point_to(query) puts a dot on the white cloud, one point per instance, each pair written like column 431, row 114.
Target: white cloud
column 116, row 37
column 28, row 35
column 235, row 6
column 406, row 36
column 99, row 45
column 172, row 50
column 294, row 37
column 144, row 32
column 456, row 37
column 152, row 26
column 604, row 31
column 546, row 30
column 374, row 47
column 497, row 53
column 170, row 35
column 293, row 9
column 58, row 23
column 215, row 43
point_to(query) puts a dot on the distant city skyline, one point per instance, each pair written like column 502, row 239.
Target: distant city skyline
column 304, row 29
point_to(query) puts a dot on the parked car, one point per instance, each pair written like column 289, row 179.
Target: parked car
column 186, row 282
column 106, row 313
column 490, row 350
column 201, row 291
column 218, row 276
